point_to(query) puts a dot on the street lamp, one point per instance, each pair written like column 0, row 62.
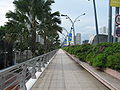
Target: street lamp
column 63, row 40
column 96, row 22
column 67, row 34
column 5, row 52
column 73, row 23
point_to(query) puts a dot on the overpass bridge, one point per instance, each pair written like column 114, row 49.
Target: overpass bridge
column 52, row 71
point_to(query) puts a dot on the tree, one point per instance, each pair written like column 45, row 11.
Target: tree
column 49, row 28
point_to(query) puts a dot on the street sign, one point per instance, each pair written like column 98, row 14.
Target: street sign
column 117, row 19
column 70, row 37
column 115, row 3
column 118, row 32
column 65, row 42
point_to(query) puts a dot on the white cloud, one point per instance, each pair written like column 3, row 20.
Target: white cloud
column 5, row 6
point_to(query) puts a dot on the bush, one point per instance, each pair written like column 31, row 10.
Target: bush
column 100, row 55
column 113, row 61
column 81, row 56
column 99, row 61
column 90, row 58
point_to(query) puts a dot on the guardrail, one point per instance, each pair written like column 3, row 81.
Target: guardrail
column 15, row 77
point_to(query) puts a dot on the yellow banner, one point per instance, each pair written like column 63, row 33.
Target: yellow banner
column 115, row 3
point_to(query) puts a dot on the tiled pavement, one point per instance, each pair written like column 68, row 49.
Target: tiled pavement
column 65, row 74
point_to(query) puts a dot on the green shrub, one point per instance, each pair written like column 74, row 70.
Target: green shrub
column 81, row 56
column 83, row 51
column 100, row 55
column 99, row 61
column 90, row 58
column 113, row 61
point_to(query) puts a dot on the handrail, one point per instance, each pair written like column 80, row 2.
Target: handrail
column 15, row 77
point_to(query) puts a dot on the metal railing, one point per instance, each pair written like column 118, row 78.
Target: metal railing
column 15, row 77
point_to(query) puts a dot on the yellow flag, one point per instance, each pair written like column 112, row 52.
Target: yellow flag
column 115, row 3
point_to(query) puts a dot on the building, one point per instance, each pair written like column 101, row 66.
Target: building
column 78, row 38
column 91, row 37
column 104, row 30
column 39, row 39
column 102, row 38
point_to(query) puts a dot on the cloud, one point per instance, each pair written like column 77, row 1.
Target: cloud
column 5, row 6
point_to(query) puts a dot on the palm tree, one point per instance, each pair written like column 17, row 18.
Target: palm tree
column 33, row 10
column 49, row 28
column 33, row 15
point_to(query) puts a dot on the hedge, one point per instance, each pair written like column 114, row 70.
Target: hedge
column 101, row 55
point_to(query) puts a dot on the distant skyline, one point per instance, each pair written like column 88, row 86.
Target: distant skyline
column 72, row 8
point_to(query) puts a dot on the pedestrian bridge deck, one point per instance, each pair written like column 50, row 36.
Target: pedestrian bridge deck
column 65, row 74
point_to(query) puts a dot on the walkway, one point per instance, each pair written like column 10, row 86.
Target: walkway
column 65, row 74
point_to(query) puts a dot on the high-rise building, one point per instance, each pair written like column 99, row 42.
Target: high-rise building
column 78, row 38
column 39, row 39
column 104, row 30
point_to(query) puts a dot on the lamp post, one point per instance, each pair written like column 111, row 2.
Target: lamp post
column 5, row 52
column 96, row 22
column 67, row 35
column 64, row 38
column 73, row 24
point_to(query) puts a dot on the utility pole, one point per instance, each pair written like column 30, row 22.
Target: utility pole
column 96, row 22
column 110, row 24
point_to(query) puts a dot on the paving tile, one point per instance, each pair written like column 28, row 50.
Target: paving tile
column 65, row 74
column 69, row 88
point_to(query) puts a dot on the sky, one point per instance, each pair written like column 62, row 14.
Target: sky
column 72, row 8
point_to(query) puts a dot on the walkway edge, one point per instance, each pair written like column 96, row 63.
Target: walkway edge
column 42, row 72
column 102, row 80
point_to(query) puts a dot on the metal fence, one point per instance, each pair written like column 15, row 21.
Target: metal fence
column 15, row 77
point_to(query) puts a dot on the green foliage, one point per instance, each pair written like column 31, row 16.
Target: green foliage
column 100, row 55
column 40, row 48
column 99, row 61
column 79, row 51
column 113, row 61
column 90, row 58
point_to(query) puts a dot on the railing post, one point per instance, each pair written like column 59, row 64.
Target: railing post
column 2, row 86
column 33, row 70
column 22, row 83
column 48, row 57
column 39, row 64
column 43, row 64
column 33, row 73
column 45, row 58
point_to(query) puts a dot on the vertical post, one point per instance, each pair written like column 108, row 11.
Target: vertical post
column 5, row 53
column 39, row 66
column 22, row 83
column 110, row 24
column 96, row 22
column 115, row 26
column 68, row 40
column 74, row 33
column 15, row 57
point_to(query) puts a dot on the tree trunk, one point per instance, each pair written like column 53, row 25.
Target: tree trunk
column 33, row 38
column 45, row 44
